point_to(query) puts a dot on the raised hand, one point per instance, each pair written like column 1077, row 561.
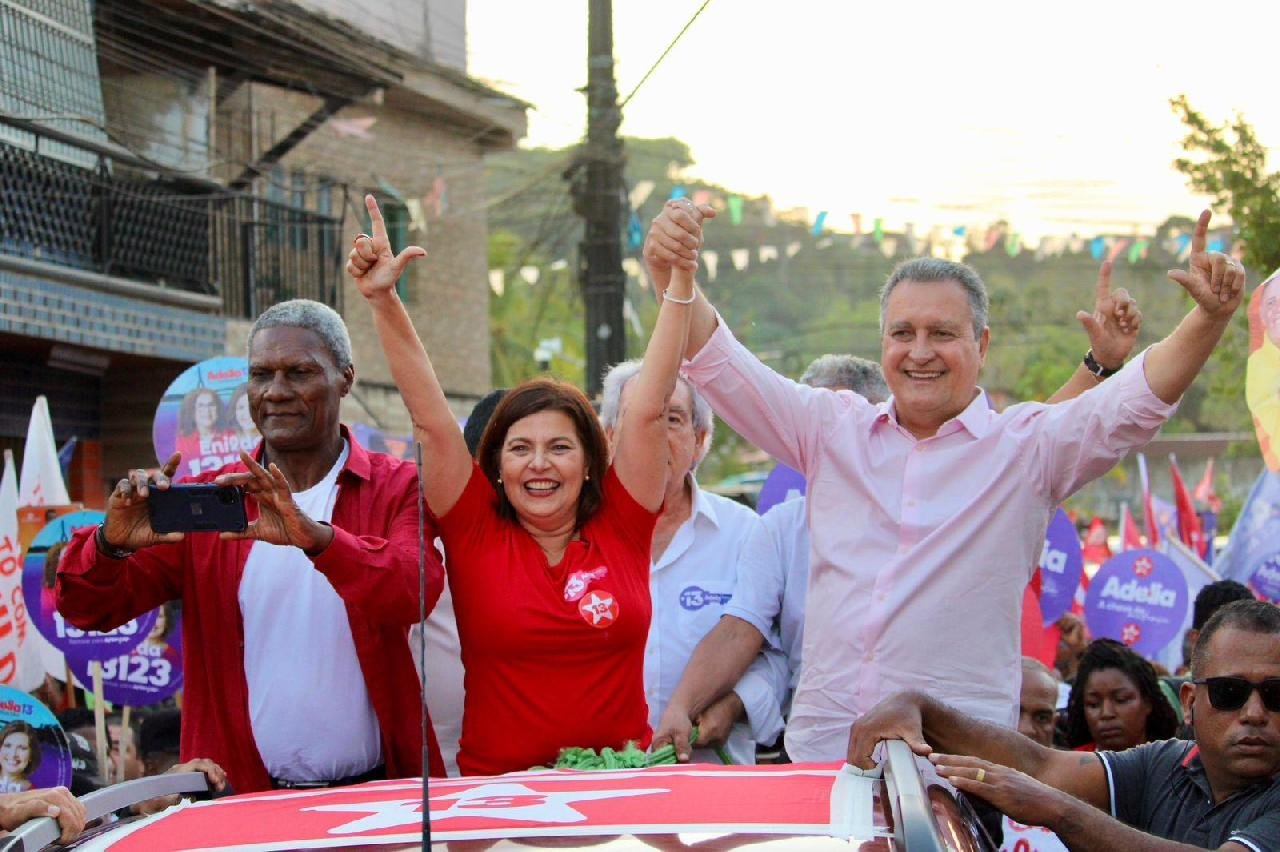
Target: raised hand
column 675, row 235
column 1213, row 279
column 280, row 521
column 1114, row 324
column 371, row 263
column 128, row 524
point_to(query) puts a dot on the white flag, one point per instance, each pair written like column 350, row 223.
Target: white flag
column 20, row 664
column 41, row 482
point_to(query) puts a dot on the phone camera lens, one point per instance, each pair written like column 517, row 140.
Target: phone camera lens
column 226, row 496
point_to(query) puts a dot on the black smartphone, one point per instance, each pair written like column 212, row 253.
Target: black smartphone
column 197, row 508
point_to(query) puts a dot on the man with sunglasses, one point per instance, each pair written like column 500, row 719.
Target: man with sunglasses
column 1220, row 791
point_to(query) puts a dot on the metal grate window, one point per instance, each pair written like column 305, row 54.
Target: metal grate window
column 49, row 74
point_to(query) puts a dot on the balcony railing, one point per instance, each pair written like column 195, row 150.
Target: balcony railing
column 129, row 219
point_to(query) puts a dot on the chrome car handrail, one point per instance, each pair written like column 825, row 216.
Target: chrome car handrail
column 914, row 827
column 35, row 834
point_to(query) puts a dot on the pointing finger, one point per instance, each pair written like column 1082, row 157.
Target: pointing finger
column 375, row 217
column 1104, row 282
column 1199, row 238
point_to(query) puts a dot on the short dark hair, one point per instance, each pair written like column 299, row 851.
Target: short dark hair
column 1254, row 616
column 531, row 397
column 160, row 733
column 479, row 418
column 1103, row 654
column 1215, row 596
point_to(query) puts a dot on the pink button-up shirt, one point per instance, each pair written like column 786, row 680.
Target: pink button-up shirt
column 920, row 548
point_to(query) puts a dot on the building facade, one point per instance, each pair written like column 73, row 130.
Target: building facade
column 170, row 169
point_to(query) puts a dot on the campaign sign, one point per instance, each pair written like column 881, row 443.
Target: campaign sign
column 39, row 574
column 1138, row 597
column 147, row 674
column 1061, row 561
column 1265, row 579
column 782, row 484
column 204, row 415
column 33, row 747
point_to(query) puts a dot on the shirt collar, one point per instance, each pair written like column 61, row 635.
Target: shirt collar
column 702, row 505
column 357, row 458
column 975, row 418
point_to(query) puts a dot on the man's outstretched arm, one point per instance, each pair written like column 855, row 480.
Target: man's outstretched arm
column 1080, row 825
column 716, row 664
column 928, row 725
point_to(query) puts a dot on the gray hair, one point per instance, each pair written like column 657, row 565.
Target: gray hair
column 1031, row 664
column 847, row 372
column 929, row 269
column 611, row 401
column 313, row 316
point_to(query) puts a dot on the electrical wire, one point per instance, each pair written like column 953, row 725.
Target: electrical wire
column 658, row 61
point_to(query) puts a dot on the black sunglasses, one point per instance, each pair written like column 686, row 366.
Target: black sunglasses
column 1231, row 693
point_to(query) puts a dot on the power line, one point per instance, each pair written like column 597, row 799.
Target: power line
column 658, row 62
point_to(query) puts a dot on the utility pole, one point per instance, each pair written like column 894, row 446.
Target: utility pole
column 597, row 190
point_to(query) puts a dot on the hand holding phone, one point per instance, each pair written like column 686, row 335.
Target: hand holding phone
column 197, row 508
column 128, row 525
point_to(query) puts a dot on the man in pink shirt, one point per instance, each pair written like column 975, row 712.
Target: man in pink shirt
column 927, row 512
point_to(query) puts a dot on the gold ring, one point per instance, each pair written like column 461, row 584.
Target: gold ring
column 982, row 774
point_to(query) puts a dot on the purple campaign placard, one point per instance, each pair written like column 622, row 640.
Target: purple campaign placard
column 149, row 673
column 1265, row 579
column 38, row 576
column 33, row 747
column 1138, row 597
column 204, row 415
column 781, row 485
column 1061, row 561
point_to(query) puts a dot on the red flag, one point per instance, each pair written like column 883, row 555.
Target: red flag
column 1204, row 492
column 1130, row 538
column 1096, row 548
column 1148, row 508
column 1190, row 530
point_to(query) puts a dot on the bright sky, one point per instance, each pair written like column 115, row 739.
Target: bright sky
column 1054, row 117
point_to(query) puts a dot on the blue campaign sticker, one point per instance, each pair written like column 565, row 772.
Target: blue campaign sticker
column 39, row 573
column 1061, row 563
column 147, row 674
column 1265, row 579
column 33, row 747
column 694, row 598
column 1138, row 597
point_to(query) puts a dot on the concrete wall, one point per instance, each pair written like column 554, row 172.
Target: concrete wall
column 430, row 29
column 447, row 294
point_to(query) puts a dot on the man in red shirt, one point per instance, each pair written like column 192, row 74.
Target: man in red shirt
column 297, row 664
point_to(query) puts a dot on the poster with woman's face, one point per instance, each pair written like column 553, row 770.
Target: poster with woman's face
column 205, row 416
column 33, row 747
column 39, row 574
column 1262, row 377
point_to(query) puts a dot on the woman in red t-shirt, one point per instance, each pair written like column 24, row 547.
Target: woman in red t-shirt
column 546, row 541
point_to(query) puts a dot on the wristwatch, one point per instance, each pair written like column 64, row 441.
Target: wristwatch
column 1091, row 364
column 107, row 550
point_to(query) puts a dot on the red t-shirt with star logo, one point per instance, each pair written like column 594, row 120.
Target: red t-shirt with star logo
column 554, row 654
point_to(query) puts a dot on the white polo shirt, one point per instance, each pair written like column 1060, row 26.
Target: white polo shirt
column 690, row 586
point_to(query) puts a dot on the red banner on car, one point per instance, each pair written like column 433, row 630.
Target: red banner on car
column 798, row 799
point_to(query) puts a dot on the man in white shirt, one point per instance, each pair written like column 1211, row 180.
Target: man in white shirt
column 696, row 545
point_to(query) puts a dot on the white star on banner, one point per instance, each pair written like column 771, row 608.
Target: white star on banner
column 515, row 802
